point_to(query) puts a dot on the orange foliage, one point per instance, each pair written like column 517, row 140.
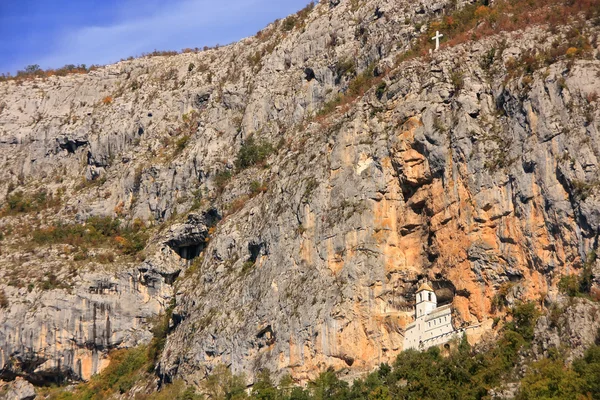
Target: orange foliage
column 121, row 241
column 476, row 21
column 236, row 205
column 29, row 74
column 595, row 294
column 107, row 100
column 482, row 12
column 571, row 52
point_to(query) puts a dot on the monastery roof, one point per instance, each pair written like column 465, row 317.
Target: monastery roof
column 440, row 311
column 424, row 286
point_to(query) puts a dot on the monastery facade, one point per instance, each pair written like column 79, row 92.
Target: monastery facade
column 432, row 325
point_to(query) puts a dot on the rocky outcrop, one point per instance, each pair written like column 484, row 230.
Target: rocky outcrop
column 571, row 326
column 19, row 389
column 54, row 335
column 452, row 167
column 189, row 240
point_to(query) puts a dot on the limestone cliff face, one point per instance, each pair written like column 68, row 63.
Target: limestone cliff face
column 55, row 333
column 454, row 169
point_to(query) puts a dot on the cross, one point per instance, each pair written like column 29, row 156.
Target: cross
column 437, row 38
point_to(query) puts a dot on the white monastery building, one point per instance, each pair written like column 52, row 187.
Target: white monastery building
column 432, row 325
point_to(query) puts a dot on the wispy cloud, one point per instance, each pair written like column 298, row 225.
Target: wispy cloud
column 145, row 26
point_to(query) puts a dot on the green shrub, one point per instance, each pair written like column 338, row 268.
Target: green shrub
column 264, row 387
column 460, row 374
column 359, row 85
column 255, row 59
column 289, row 23
column 197, row 200
column 160, row 331
column 380, row 90
column 257, row 187
column 222, row 178
column 345, row 67
column 181, row 144
column 457, row 80
column 298, row 19
column 569, row 285
column 51, row 282
column 525, row 316
column 247, row 266
column 588, row 369
column 19, row 202
column 3, row 299
column 331, row 105
column 549, row 379
column 252, row 153
column 120, row 375
column 488, row 59
column 97, row 231
column 222, row 384
column 329, row 386
column 579, row 285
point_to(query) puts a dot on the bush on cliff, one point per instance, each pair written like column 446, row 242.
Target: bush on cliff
column 97, row 231
column 3, row 300
column 253, row 152
column 549, row 378
column 19, row 202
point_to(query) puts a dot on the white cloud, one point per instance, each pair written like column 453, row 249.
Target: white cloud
column 145, row 26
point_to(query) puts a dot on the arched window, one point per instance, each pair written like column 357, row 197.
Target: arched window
column 429, row 296
column 420, row 297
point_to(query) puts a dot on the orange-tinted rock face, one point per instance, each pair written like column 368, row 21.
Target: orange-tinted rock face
column 449, row 190
column 463, row 226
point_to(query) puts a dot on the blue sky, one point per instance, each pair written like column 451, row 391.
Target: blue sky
column 53, row 33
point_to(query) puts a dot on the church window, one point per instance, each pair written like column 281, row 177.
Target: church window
column 429, row 296
column 420, row 297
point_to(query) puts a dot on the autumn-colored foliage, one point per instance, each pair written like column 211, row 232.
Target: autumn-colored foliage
column 34, row 71
column 477, row 21
column 97, row 231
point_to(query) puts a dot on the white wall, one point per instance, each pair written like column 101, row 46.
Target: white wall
column 426, row 303
column 433, row 327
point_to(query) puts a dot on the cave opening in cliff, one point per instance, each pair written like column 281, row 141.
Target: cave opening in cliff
column 444, row 290
column 190, row 252
column 28, row 370
column 254, row 249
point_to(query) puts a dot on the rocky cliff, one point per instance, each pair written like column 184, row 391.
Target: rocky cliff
column 294, row 187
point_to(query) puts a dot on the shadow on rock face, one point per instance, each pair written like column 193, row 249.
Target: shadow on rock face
column 444, row 291
column 189, row 240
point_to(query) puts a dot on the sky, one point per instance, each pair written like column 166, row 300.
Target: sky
column 53, row 33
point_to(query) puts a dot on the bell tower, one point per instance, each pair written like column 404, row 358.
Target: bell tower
column 426, row 300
